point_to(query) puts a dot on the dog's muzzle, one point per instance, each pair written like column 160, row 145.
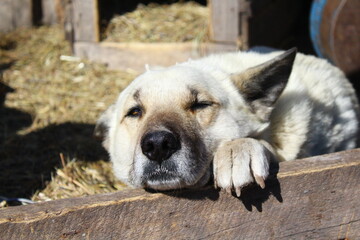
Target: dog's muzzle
column 171, row 162
column 161, row 170
column 158, row 146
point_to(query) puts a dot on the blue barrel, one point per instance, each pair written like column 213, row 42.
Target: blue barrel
column 315, row 23
column 335, row 32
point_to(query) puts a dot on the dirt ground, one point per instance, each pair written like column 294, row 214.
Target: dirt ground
column 49, row 103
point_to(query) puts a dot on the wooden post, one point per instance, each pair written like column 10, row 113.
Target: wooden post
column 229, row 22
column 244, row 15
column 68, row 23
column 314, row 198
column 86, row 20
column 49, row 12
column 224, row 20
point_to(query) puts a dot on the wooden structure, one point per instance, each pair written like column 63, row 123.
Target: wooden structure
column 83, row 30
column 314, row 198
column 27, row 13
column 234, row 24
column 15, row 13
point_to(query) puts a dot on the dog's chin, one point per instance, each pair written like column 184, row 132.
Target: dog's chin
column 162, row 185
column 166, row 182
column 163, row 181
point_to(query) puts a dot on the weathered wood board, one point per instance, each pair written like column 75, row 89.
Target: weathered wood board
column 82, row 30
column 86, row 20
column 234, row 25
column 224, row 20
column 15, row 13
column 136, row 55
column 314, row 198
column 27, row 13
column 49, row 11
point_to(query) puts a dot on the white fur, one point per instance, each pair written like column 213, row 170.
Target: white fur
column 315, row 89
column 316, row 113
column 246, row 157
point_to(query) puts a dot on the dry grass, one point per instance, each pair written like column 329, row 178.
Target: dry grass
column 48, row 87
column 178, row 22
column 50, row 111
column 49, row 102
column 79, row 178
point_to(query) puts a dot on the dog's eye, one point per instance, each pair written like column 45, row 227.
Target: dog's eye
column 134, row 112
column 200, row 105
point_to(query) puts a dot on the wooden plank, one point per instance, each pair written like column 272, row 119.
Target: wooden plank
column 86, row 20
column 49, row 12
column 254, row 23
column 224, row 20
column 136, row 55
column 6, row 12
column 244, row 16
column 22, row 13
column 14, row 14
column 68, row 23
column 314, row 198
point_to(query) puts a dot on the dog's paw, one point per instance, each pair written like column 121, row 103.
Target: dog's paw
column 240, row 162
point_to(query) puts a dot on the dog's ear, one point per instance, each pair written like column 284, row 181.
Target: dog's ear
column 102, row 126
column 262, row 85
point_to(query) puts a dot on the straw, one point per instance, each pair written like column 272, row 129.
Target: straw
column 51, row 113
column 178, row 22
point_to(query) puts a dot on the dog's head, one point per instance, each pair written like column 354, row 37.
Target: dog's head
column 165, row 126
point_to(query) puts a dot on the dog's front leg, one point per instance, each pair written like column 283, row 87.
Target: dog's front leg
column 240, row 162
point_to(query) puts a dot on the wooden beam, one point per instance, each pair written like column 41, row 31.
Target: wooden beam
column 244, row 16
column 86, row 20
column 68, row 22
column 49, row 12
column 314, row 198
column 224, row 20
column 136, row 55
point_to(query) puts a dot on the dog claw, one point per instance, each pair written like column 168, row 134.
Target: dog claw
column 260, row 181
column 238, row 191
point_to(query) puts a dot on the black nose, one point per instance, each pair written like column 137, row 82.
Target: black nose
column 159, row 145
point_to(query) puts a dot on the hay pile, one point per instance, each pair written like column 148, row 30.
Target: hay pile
column 49, row 102
column 78, row 178
column 48, row 110
column 178, row 22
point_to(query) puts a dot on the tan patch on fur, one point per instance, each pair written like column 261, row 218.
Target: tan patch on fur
column 262, row 85
column 204, row 116
column 242, row 80
column 161, row 120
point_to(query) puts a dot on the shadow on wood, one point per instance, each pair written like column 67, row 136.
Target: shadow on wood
column 314, row 198
column 251, row 196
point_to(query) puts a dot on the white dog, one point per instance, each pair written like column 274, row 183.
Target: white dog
column 227, row 116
